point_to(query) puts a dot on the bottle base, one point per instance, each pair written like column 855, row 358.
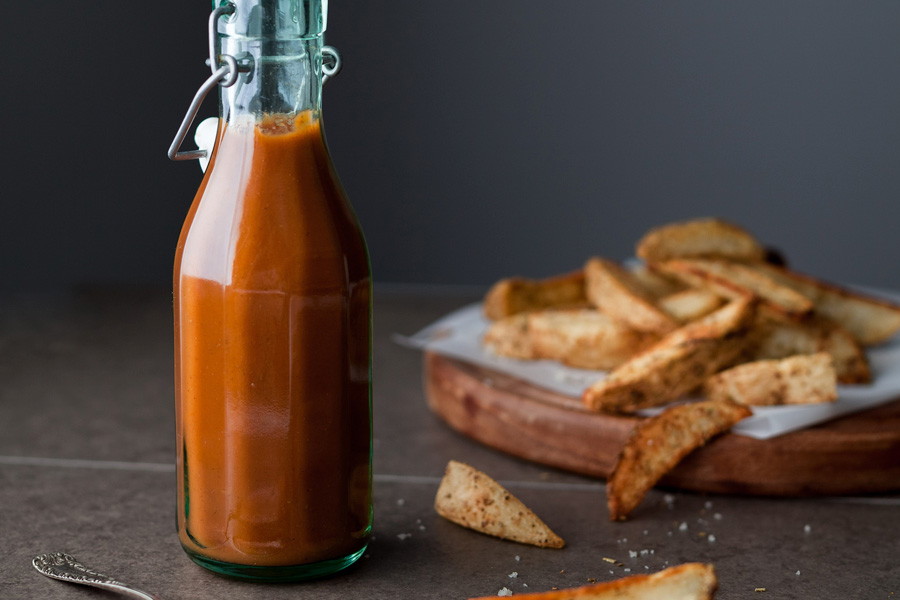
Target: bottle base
column 276, row 573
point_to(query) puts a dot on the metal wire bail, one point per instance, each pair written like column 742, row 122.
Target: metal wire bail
column 224, row 74
column 333, row 66
column 224, row 71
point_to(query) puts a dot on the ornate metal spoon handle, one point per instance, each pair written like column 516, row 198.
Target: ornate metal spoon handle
column 67, row 568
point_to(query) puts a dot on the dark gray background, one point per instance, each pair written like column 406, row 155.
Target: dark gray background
column 476, row 139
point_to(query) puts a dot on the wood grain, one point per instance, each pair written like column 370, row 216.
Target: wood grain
column 857, row 454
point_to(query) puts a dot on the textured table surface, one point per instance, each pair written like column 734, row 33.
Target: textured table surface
column 87, row 467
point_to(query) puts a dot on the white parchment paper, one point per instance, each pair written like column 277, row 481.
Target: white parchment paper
column 458, row 335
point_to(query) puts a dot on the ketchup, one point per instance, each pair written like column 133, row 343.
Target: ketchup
column 272, row 295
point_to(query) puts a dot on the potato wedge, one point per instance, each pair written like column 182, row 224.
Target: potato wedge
column 659, row 443
column 870, row 320
column 655, row 283
column 775, row 337
column 582, row 338
column 699, row 238
column 510, row 337
column 689, row 581
column 586, row 339
column 689, row 305
column 470, row 498
column 736, row 280
column 616, row 292
column 800, row 379
column 677, row 364
column 516, row 295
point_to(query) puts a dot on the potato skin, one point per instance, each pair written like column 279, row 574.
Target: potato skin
column 699, row 238
column 470, row 498
column 619, row 294
column 799, row 379
column 516, row 295
column 677, row 364
column 659, row 443
column 688, row 581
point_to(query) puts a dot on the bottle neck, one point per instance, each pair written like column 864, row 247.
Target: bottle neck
column 282, row 77
column 278, row 47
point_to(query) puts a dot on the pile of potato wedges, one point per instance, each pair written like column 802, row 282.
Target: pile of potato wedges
column 707, row 311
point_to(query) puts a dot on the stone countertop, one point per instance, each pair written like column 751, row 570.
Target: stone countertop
column 87, row 467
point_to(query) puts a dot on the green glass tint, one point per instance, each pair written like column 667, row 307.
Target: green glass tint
column 276, row 574
column 278, row 19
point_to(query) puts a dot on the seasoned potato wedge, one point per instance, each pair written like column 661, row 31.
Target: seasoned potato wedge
column 699, row 238
column 659, row 443
column 655, row 283
column 582, row 338
column 510, row 337
column 775, row 337
column 586, row 339
column 516, row 295
column 689, row 305
column 677, row 364
column 870, row 320
column 616, row 292
column 800, row 379
column 736, row 280
column 689, row 581
column 470, row 498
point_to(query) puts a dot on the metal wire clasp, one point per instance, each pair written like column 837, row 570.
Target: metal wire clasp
column 225, row 74
column 333, row 65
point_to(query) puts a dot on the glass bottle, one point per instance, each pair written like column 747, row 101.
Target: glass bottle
column 272, row 294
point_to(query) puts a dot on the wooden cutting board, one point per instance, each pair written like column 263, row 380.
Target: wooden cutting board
column 857, row 454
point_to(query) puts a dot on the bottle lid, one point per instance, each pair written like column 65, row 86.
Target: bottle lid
column 275, row 19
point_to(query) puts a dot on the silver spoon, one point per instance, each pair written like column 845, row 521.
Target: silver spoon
column 67, row 568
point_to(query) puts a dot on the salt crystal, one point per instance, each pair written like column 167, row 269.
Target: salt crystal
column 518, row 558
column 683, row 526
column 403, row 536
column 711, row 538
column 807, row 529
column 421, row 528
column 669, row 499
column 797, row 573
column 513, row 575
column 717, row 516
column 401, row 502
column 708, row 504
column 627, row 570
column 632, row 553
column 505, row 592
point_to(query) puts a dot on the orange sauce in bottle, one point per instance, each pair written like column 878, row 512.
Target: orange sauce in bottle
column 273, row 354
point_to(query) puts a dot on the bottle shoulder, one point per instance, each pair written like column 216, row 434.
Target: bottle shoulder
column 270, row 207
